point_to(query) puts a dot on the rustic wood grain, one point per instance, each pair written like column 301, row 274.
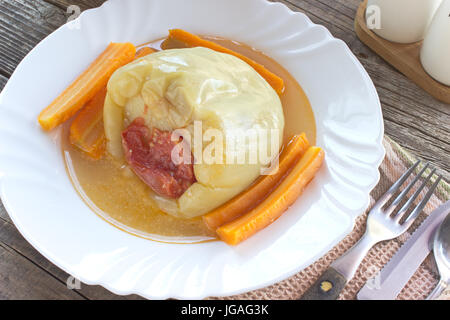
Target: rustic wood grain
column 3, row 81
column 412, row 117
column 83, row 4
column 4, row 215
column 23, row 23
column 21, row 279
column 12, row 239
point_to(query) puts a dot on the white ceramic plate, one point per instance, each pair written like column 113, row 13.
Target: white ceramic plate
column 44, row 206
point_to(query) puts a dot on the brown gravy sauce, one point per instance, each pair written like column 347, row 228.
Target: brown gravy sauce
column 115, row 194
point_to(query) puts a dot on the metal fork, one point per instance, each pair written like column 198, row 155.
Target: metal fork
column 381, row 225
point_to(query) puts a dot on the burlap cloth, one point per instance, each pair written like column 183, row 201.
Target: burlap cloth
column 419, row 286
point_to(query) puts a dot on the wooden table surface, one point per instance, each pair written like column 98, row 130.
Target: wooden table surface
column 413, row 118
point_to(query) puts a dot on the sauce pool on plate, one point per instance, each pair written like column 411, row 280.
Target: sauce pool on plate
column 118, row 196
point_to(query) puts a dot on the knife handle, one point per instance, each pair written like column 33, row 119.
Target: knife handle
column 327, row 287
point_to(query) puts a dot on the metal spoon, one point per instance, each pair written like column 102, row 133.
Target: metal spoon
column 441, row 250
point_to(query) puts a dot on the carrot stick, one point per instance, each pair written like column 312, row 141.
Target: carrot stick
column 86, row 86
column 192, row 40
column 144, row 51
column 277, row 202
column 87, row 131
column 260, row 189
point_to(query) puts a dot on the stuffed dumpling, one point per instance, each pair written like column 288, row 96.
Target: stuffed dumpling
column 213, row 98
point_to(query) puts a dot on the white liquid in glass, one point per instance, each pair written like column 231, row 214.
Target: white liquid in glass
column 435, row 54
column 402, row 21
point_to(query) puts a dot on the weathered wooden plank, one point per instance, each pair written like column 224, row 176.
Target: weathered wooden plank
column 23, row 24
column 408, row 128
column 343, row 8
column 3, row 81
column 3, row 214
column 324, row 15
column 398, row 84
column 21, row 279
column 83, row 4
column 11, row 238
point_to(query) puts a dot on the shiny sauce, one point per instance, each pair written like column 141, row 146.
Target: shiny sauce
column 118, row 196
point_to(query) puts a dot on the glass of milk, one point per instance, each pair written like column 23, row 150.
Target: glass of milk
column 435, row 53
column 402, row 21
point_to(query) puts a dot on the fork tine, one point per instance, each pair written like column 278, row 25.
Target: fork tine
column 410, row 201
column 403, row 194
column 418, row 209
column 385, row 197
column 422, row 203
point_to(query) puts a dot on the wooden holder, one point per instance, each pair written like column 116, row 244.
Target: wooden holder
column 404, row 57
